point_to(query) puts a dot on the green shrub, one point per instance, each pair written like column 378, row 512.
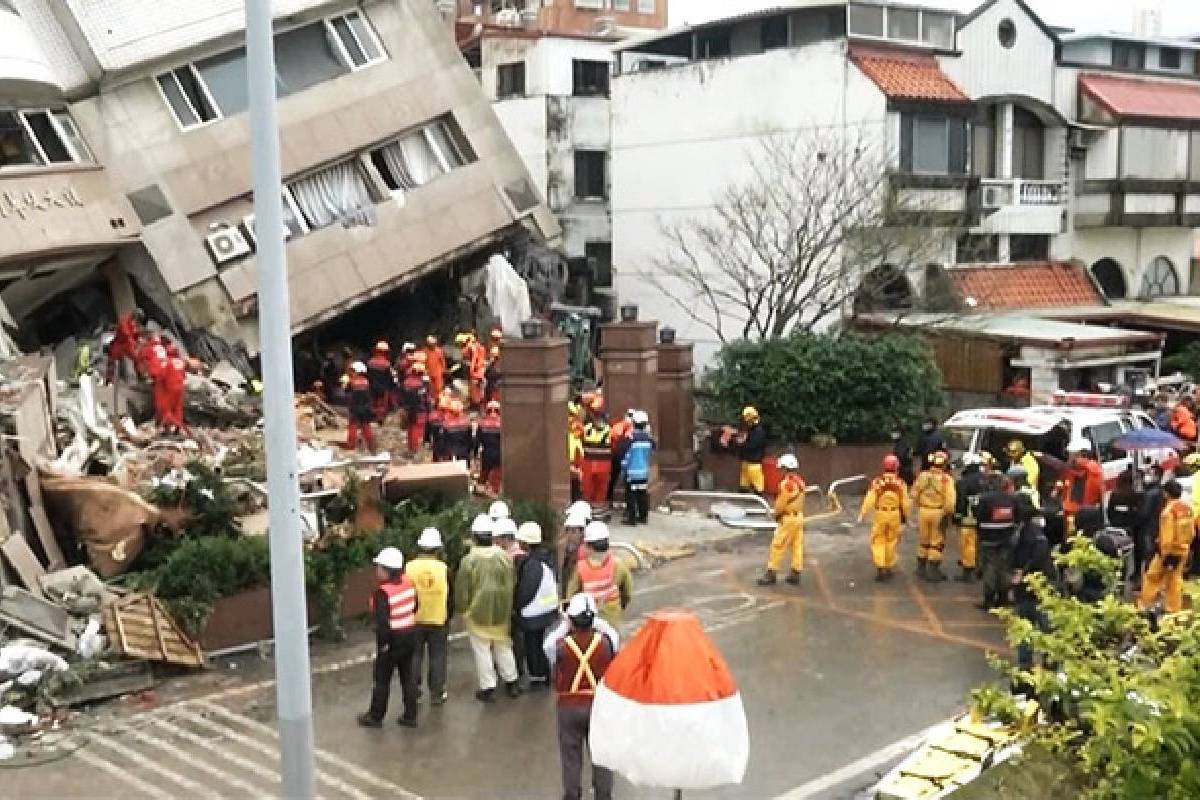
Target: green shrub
column 853, row 388
column 1122, row 699
column 214, row 510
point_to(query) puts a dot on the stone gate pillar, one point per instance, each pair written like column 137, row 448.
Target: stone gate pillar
column 630, row 357
column 676, row 416
column 533, row 400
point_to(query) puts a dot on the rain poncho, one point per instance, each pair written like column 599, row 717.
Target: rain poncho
column 484, row 590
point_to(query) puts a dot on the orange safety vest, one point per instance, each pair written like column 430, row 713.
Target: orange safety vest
column 599, row 582
column 402, row 604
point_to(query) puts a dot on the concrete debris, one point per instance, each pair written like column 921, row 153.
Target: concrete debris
column 77, row 589
column 109, row 521
column 19, row 659
column 13, row 718
column 45, row 621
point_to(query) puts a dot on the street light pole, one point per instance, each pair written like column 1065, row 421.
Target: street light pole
column 293, row 690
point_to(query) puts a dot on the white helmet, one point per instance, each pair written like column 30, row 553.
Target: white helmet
column 576, row 519
column 641, row 418
column 971, row 459
column 788, row 461
column 529, row 533
column 595, row 531
column 390, row 558
column 430, row 539
column 482, row 525
column 1079, row 445
column 505, row 527
column 359, row 367
column 408, row 347
column 581, row 603
column 580, row 508
column 498, row 510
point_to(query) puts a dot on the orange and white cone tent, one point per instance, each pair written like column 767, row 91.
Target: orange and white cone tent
column 667, row 712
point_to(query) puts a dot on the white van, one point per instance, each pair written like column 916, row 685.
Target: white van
column 1099, row 419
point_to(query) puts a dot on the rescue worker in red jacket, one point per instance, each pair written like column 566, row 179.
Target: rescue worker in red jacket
column 1083, row 478
column 597, row 453
column 404, row 360
column 579, row 653
column 152, row 356
column 382, row 380
column 492, row 376
column 361, row 414
column 414, row 396
column 124, row 344
column 172, row 378
column 487, row 446
column 456, row 432
column 619, row 433
column 394, row 606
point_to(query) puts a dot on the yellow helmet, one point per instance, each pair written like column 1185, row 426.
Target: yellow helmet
column 750, row 414
column 1015, row 448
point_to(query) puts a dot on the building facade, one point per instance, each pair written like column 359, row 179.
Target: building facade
column 128, row 123
column 1032, row 145
column 586, row 17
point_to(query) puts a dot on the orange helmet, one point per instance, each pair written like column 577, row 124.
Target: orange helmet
column 493, row 406
column 891, row 463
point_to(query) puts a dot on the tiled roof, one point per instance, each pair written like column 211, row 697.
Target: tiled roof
column 1132, row 97
column 905, row 75
column 1039, row 284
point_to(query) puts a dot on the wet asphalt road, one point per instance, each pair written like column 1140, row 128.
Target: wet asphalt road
column 830, row 673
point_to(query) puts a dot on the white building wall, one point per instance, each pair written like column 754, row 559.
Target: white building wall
column 986, row 69
column 25, row 71
column 1134, row 249
column 524, row 120
column 681, row 134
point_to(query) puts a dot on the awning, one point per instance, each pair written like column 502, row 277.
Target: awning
column 1145, row 99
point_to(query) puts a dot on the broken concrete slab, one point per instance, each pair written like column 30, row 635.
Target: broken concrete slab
column 41, row 619
column 110, row 680
column 109, row 521
column 448, row 480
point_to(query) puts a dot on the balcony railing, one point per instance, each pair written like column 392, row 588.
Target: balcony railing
column 1019, row 192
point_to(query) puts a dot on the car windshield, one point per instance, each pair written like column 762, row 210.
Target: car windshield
column 958, row 441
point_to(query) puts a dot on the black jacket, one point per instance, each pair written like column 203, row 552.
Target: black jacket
column 755, row 446
column 1030, row 555
column 1146, row 520
column 997, row 515
column 928, row 442
column 529, row 578
column 970, row 487
column 1123, row 506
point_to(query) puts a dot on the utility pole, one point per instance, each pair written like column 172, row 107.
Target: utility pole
column 293, row 689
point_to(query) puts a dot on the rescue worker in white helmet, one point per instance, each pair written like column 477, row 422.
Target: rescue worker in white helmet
column 599, row 573
column 483, row 591
column 789, row 524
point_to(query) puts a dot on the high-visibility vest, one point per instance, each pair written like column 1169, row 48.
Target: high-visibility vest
column 402, row 604
column 579, row 669
column 599, row 581
column 430, row 579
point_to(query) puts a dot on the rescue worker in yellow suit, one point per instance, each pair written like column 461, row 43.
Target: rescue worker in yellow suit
column 789, row 527
column 1019, row 456
column 1176, row 530
column 933, row 491
column 887, row 497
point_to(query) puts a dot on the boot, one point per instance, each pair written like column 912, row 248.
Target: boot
column 793, row 578
column 920, row 568
column 880, row 574
column 486, row 695
column 933, row 572
column 513, row 688
column 767, row 579
column 367, row 721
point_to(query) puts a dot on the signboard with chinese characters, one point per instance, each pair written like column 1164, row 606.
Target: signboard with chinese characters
column 23, row 203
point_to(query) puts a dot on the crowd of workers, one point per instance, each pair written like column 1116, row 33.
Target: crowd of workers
column 526, row 613
column 154, row 358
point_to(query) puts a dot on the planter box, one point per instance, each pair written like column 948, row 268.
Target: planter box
column 356, row 597
column 819, row 465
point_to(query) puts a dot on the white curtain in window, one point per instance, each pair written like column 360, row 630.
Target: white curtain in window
column 422, row 162
column 396, row 160
column 337, row 193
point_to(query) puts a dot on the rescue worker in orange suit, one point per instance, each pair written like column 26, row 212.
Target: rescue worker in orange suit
column 887, row 501
column 361, row 413
column 475, row 354
column 488, row 446
column 435, row 364
column 971, row 485
column 1083, row 478
column 152, row 356
column 751, row 446
column 492, row 376
column 172, row 378
column 1176, row 530
column 1183, row 421
column 602, row 575
column 933, row 491
column 394, row 606
column 124, row 344
column 789, row 524
column 382, row 380
column 597, row 454
column 575, row 458
column 579, row 653
column 456, row 432
column 618, row 434
column 414, row 396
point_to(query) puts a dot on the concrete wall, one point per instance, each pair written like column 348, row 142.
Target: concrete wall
column 1134, row 249
column 524, row 120
column 682, row 133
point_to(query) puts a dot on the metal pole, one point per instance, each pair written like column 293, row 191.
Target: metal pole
column 293, row 690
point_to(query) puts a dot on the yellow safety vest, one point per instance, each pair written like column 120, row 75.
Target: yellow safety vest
column 431, row 579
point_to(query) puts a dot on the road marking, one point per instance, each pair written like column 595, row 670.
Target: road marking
column 822, row 586
column 103, row 764
column 324, row 755
column 138, row 758
column 931, row 618
column 854, row 769
column 270, row 776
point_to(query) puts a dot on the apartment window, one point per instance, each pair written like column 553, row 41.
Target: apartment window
column 620, row 5
column 306, row 56
column 902, row 23
column 937, row 29
column 1029, row 146
column 40, row 137
column 1194, row 157
column 597, row 4
column 590, row 183
column 714, row 43
column 1128, row 55
column 510, row 80
column 866, row 20
column 774, row 32
column 977, row 249
column 422, row 155
column 335, row 194
column 224, row 76
column 983, row 143
column 187, row 97
column 589, row 78
column 356, row 39
column 933, row 144
column 294, row 223
column 1152, row 153
column 1170, row 58
column 647, row 6
column 599, row 261
column 1029, row 247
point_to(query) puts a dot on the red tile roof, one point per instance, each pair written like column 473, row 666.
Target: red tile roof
column 1038, row 284
column 905, row 75
column 1133, row 97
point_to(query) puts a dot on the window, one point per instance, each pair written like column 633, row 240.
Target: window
column 1151, row 153
column 1028, row 146
column 933, row 144
column 224, row 76
column 1102, row 436
column 40, row 137
column 866, row 20
column 589, row 78
column 902, row 23
column 1007, row 33
column 1160, row 279
column 187, row 97
column 983, row 144
column 1128, row 55
column 774, row 33
column 714, row 43
column 973, row 248
column 1029, row 247
column 335, row 194
column 1194, row 157
column 294, row 223
column 422, row 155
column 589, row 4
column 304, row 57
column 647, row 6
column 620, row 5
column 590, row 182
column 937, row 29
column 599, row 262
column 510, row 80
column 1169, row 58
column 356, row 39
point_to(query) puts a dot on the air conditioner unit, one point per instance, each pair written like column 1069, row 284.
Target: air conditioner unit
column 992, row 196
column 226, row 244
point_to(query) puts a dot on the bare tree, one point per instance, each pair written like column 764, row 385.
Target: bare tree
column 787, row 247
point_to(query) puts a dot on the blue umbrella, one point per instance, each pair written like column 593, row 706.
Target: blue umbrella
column 1148, row 439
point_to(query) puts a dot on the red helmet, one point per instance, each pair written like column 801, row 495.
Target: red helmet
column 891, row 463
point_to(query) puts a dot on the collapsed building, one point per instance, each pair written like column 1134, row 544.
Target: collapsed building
column 125, row 164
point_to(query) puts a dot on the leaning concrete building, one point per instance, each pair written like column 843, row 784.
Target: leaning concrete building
column 125, row 158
